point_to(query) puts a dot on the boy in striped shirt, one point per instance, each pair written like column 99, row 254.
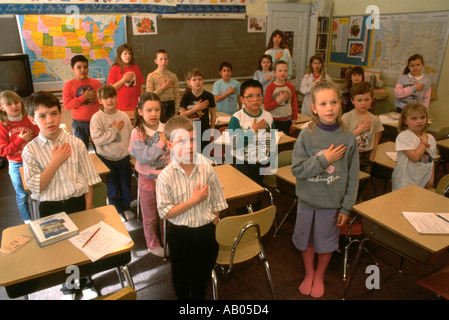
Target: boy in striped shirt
column 190, row 196
column 58, row 170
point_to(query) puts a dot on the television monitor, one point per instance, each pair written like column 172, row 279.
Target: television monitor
column 15, row 74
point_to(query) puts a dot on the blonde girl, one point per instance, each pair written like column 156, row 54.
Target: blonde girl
column 416, row 149
column 16, row 130
column 412, row 86
column 148, row 146
column 325, row 163
column 316, row 74
column 126, row 78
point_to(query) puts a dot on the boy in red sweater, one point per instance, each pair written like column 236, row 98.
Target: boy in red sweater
column 80, row 96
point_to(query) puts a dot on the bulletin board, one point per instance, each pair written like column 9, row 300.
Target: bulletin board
column 350, row 41
column 393, row 41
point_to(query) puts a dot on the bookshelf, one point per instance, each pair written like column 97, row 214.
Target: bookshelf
column 322, row 36
column 320, row 31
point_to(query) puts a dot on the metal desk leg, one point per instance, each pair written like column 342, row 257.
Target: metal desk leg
column 354, row 268
column 295, row 202
column 165, row 239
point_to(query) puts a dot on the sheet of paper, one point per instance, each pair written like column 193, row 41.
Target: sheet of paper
column 225, row 139
column 105, row 241
column 428, row 222
column 15, row 244
column 392, row 155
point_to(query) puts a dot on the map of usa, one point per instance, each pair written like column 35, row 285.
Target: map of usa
column 51, row 41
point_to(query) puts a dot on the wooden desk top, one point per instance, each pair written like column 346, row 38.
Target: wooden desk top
column 387, row 210
column 236, row 184
column 381, row 157
column 303, row 118
column 99, row 165
column 285, row 173
column 443, row 143
column 32, row 261
column 383, row 160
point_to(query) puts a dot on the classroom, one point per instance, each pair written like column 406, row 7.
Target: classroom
column 380, row 255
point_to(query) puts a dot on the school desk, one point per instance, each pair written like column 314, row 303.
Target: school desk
column 383, row 223
column 286, row 183
column 285, row 142
column 238, row 189
column 32, row 268
column 222, row 120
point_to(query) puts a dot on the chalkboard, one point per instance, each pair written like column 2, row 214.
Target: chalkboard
column 202, row 43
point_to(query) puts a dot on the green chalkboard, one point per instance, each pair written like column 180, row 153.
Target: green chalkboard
column 202, row 43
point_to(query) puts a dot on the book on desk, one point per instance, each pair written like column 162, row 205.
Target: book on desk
column 54, row 228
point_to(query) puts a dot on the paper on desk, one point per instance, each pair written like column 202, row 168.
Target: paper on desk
column 105, row 241
column 305, row 125
column 224, row 138
column 392, row 155
column 388, row 119
column 428, row 222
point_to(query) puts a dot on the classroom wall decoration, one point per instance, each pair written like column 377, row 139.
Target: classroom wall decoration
column 388, row 48
column 350, row 41
column 52, row 40
column 401, row 36
column 144, row 25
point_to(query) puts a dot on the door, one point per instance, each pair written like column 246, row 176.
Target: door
column 292, row 18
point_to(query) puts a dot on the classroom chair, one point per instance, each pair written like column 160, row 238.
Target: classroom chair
column 239, row 239
column 437, row 282
column 126, row 293
column 444, row 153
column 443, row 186
column 100, row 195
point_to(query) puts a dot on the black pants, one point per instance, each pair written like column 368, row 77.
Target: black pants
column 168, row 110
column 193, row 253
column 71, row 205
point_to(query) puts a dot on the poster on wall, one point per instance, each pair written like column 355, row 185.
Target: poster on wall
column 355, row 29
column 356, row 49
column 340, row 34
column 257, row 24
column 144, row 25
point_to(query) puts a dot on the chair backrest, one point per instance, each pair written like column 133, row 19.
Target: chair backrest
column 284, row 159
column 442, row 134
column 100, row 195
column 229, row 228
column 442, row 186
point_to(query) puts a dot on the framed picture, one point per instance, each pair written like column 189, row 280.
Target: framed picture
column 257, row 24
column 144, row 25
column 356, row 49
column 355, row 27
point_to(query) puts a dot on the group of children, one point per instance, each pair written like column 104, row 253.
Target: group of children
column 176, row 183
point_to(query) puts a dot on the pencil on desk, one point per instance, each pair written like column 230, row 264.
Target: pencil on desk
column 90, row 238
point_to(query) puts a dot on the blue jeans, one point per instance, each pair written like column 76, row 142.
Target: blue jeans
column 81, row 130
column 21, row 194
column 119, row 183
